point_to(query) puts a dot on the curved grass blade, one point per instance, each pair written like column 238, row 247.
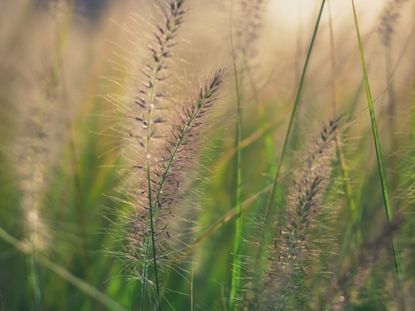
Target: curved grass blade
column 379, row 155
column 269, row 207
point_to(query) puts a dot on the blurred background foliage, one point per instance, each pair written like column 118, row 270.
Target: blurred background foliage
column 60, row 59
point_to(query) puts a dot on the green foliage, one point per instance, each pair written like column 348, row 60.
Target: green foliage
column 123, row 147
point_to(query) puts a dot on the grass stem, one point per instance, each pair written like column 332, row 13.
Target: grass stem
column 236, row 265
column 269, row 207
column 379, row 155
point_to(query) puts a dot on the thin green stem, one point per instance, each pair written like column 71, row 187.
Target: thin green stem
column 144, row 276
column 269, row 207
column 236, row 265
column 35, row 281
column 149, row 190
column 379, row 155
column 191, row 288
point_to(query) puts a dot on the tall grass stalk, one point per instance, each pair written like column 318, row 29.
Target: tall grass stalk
column 34, row 275
column 379, row 155
column 238, row 239
column 293, row 247
column 269, row 207
column 149, row 99
column 175, row 156
column 340, row 155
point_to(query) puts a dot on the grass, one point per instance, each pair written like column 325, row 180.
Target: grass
column 238, row 240
column 269, row 207
column 170, row 156
column 376, row 139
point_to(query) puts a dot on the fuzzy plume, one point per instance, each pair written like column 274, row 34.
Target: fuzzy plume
column 249, row 24
column 388, row 20
column 177, row 153
column 149, row 102
column 184, row 139
column 150, row 95
column 41, row 134
column 292, row 250
column 157, row 229
column 145, row 141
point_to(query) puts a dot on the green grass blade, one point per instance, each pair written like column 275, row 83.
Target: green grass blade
column 379, row 155
column 236, row 264
column 269, row 207
column 34, row 271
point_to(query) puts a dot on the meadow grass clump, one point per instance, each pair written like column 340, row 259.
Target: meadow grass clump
column 292, row 250
column 144, row 139
column 36, row 151
column 165, row 144
column 168, row 193
column 168, row 175
column 247, row 28
column 176, row 155
column 379, row 154
column 270, row 208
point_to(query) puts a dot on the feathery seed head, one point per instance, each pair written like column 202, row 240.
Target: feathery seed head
column 290, row 250
column 177, row 153
column 249, row 24
column 388, row 20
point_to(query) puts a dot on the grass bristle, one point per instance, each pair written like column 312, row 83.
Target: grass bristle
column 291, row 249
column 159, row 155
